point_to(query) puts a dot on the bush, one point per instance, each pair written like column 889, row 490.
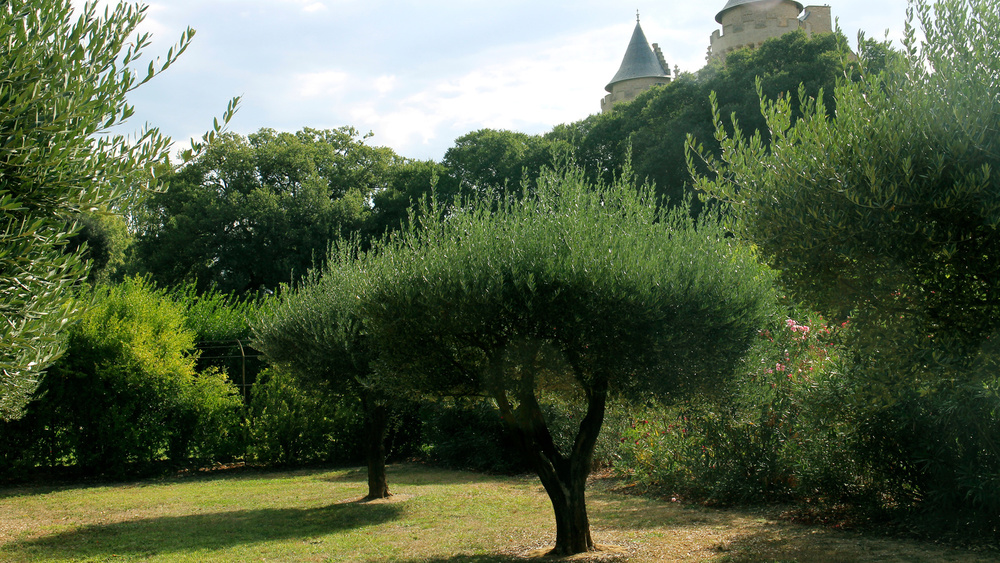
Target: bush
column 292, row 425
column 126, row 394
column 221, row 323
column 755, row 444
column 809, row 423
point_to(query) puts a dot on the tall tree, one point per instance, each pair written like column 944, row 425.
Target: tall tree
column 254, row 212
column 491, row 160
column 577, row 291
column 64, row 81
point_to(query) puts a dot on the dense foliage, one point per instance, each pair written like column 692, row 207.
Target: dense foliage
column 887, row 211
column 126, row 394
column 253, row 212
column 221, row 325
column 291, row 424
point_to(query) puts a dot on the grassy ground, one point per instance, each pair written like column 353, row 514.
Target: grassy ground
column 435, row 516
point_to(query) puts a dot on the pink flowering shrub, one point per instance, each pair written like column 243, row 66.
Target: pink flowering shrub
column 755, row 442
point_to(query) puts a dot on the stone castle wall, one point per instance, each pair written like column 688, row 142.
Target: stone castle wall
column 749, row 25
column 818, row 20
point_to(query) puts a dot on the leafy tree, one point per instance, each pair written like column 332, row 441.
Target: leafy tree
column 887, row 211
column 63, row 88
column 577, row 292
column 409, row 182
column 315, row 333
column 103, row 241
column 490, row 160
column 254, row 212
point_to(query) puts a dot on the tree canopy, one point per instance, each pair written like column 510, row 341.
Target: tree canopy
column 253, row 212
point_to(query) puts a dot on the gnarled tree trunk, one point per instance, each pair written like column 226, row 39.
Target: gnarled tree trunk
column 564, row 478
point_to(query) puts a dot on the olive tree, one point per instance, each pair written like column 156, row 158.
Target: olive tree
column 315, row 332
column 64, row 79
column 576, row 291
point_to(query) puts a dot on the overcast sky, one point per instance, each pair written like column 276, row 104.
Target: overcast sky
column 419, row 74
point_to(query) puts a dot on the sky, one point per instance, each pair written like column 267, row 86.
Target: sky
column 419, row 74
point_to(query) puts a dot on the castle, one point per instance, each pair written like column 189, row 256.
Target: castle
column 745, row 23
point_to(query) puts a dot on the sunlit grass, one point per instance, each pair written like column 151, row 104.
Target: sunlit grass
column 435, row 516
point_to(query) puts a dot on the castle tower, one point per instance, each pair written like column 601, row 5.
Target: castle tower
column 748, row 23
column 642, row 68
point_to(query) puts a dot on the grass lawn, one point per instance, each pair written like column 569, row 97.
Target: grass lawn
column 435, row 516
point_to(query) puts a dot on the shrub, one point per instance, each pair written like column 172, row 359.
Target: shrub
column 126, row 394
column 292, row 425
column 221, row 323
column 755, row 444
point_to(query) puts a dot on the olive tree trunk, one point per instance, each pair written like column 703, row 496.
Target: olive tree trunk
column 376, row 414
column 563, row 477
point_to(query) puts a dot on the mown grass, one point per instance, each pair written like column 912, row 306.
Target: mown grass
column 436, row 516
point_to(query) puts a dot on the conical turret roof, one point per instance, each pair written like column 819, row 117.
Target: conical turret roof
column 734, row 3
column 639, row 61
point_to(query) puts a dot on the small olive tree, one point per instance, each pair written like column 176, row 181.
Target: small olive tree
column 578, row 291
column 315, row 333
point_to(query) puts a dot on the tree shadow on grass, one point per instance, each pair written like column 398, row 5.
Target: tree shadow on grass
column 417, row 474
column 508, row 558
column 49, row 482
column 469, row 559
column 147, row 537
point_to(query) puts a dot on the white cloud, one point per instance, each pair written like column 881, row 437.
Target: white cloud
column 385, row 84
column 308, row 6
column 535, row 87
column 404, row 127
column 319, row 84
